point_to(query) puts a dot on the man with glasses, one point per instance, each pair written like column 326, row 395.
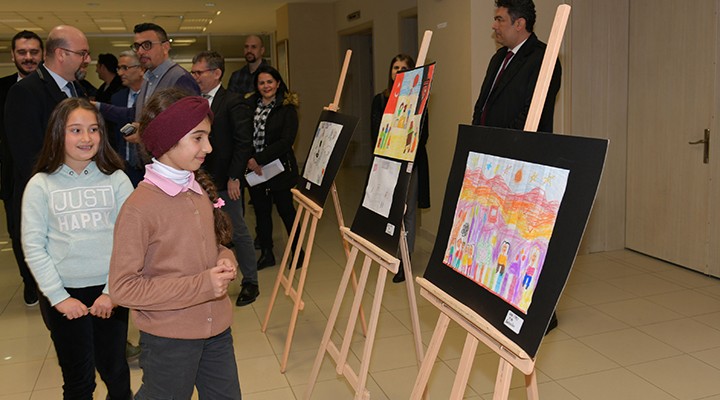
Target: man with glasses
column 29, row 104
column 27, row 54
column 226, row 163
column 152, row 47
column 131, row 75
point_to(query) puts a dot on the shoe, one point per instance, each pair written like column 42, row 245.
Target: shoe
column 267, row 259
column 131, row 352
column 30, row 296
column 248, row 294
column 400, row 276
column 553, row 324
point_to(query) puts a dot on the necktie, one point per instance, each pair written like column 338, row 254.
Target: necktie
column 206, row 96
column 508, row 56
column 133, row 97
column 71, row 87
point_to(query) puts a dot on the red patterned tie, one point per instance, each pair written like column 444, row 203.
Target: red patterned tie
column 508, row 56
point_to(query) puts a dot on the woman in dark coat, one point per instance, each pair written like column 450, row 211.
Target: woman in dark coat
column 419, row 190
column 273, row 130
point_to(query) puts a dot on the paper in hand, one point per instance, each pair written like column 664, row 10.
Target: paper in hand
column 268, row 172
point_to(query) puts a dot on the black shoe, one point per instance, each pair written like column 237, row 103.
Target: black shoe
column 400, row 276
column 267, row 259
column 553, row 324
column 30, row 296
column 301, row 258
column 248, row 294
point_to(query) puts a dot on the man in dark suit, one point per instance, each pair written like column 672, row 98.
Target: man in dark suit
column 130, row 73
column 107, row 70
column 27, row 54
column 226, row 163
column 509, row 83
column 29, row 104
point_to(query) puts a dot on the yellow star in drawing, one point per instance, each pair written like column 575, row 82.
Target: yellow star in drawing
column 548, row 179
column 533, row 177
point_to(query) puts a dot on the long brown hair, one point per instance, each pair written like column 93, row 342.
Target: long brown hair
column 158, row 103
column 52, row 155
column 400, row 57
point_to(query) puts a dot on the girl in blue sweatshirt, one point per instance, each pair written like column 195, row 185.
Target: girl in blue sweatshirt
column 68, row 215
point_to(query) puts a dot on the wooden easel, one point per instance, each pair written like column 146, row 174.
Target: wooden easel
column 386, row 262
column 310, row 213
column 478, row 329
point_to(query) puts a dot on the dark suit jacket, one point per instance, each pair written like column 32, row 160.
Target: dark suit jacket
column 6, row 180
column 231, row 149
column 105, row 91
column 509, row 102
column 280, row 130
column 27, row 111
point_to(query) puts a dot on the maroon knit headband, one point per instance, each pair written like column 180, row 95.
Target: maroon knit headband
column 168, row 127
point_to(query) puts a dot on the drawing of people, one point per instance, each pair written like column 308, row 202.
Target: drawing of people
column 458, row 254
column 410, row 134
column 467, row 259
column 532, row 267
column 450, row 255
column 502, row 257
column 402, row 119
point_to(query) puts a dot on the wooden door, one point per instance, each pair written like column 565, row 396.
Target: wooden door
column 673, row 45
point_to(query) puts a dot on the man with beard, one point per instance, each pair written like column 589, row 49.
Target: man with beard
column 152, row 47
column 27, row 54
column 242, row 80
column 27, row 111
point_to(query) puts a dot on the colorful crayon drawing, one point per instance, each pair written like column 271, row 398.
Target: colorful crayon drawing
column 401, row 122
column 503, row 222
column 322, row 147
column 381, row 186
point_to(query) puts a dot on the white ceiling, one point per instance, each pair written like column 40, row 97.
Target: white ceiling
column 117, row 17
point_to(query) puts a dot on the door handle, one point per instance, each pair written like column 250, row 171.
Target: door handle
column 706, row 146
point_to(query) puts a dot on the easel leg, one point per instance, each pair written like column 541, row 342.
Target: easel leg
column 331, row 324
column 346, row 247
column 430, row 356
column 369, row 342
column 281, row 270
column 531, row 386
column 502, row 383
column 463, row 372
column 412, row 300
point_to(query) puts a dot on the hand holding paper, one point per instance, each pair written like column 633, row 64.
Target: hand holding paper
column 268, row 172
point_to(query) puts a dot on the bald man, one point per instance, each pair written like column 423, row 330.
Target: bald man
column 27, row 111
column 242, row 80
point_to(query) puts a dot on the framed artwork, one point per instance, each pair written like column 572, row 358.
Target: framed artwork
column 331, row 140
column 515, row 208
column 380, row 215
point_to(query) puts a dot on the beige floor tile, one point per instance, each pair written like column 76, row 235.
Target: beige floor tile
column 389, row 353
column 20, row 377
column 686, row 335
column 484, row 373
column 687, row 302
column 584, row 321
column 399, row 383
column 30, row 348
column 570, row 358
column 683, row 377
column 638, row 312
column 16, row 396
column 711, row 356
column 50, row 375
column 428, row 317
column 47, row 394
column 277, row 394
column 608, row 269
column 261, row 374
column 712, row 320
column 251, row 345
column 713, row 290
column 567, row 302
column 307, row 336
column 644, row 284
column 629, row 346
column 598, row 292
column 615, row 384
column 548, row 390
column 338, row 389
column 19, row 322
column 300, row 366
column 688, row 278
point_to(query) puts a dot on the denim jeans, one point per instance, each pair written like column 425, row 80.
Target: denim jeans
column 244, row 247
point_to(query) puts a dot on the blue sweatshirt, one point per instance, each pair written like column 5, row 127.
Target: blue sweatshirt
column 67, row 227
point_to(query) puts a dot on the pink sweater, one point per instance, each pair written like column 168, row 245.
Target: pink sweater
column 163, row 249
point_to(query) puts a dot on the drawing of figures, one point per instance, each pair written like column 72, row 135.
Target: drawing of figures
column 402, row 118
column 410, row 134
column 467, row 259
column 502, row 257
column 532, row 267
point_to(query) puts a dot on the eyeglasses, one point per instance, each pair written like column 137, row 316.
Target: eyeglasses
column 146, row 45
column 81, row 53
column 200, row 72
column 126, row 67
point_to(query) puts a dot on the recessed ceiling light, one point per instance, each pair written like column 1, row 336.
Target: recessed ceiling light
column 209, row 4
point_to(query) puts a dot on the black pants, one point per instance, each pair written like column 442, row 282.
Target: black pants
column 87, row 343
column 263, row 199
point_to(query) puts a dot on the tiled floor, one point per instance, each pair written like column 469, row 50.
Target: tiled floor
column 631, row 327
